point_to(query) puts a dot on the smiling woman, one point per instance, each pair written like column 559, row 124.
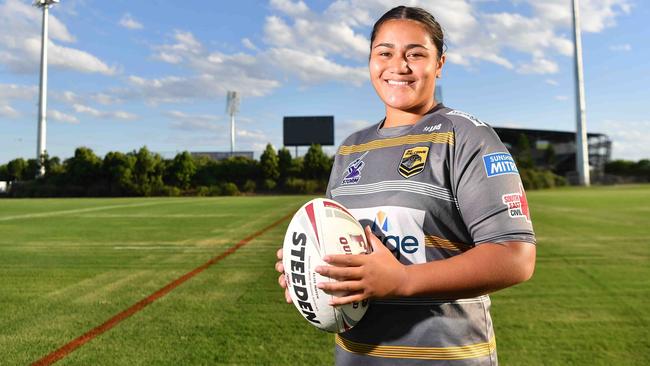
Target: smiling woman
column 447, row 225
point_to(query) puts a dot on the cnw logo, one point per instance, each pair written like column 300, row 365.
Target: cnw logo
column 398, row 245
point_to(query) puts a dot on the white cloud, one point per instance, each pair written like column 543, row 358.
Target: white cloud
column 121, row 115
column 172, row 89
column 7, row 111
column 194, row 122
column 561, row 98
column 626, row 47
column 17, row 92
column 249, row 44
column 77, row 60
column 62, row 117
column 313, row 68
column 595, row 15
column 539, row 65
column 551, row 82
column 196, row 125
column 473, row 36
column 629, row 138
column 290, row 8
column 129, row 22
column 105, row 99
column 214, row 74
column 346, row 128
column 20, row 43
column 250, row 135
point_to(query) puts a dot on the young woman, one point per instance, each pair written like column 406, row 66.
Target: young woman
column 443, row 207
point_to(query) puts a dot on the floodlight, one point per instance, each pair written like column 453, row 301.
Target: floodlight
column 42, row 96
column 232, row 108
column 45, row 2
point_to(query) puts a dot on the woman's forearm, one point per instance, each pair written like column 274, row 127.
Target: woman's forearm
column 483, row 269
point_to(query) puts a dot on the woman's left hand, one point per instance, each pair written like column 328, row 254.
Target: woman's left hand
column 364, row 276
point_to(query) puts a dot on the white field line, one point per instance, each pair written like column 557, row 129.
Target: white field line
column 151, row 216
column 81, row 210
column 177, row 247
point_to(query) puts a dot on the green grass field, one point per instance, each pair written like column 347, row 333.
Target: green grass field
column 68, row 265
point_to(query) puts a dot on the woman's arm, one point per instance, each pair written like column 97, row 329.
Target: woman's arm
column 483, row 269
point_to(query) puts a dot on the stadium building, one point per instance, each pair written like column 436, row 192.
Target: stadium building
column 556, row 150
column 221, row 155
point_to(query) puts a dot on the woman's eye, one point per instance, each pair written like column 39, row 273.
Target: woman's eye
column 415, row 55
column 384, row 54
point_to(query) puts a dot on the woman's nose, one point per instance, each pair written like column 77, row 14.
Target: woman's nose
column 399, row 65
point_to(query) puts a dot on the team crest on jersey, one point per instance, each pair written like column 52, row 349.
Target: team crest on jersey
column 517, row 204
column 413, row 161
column 353, row 171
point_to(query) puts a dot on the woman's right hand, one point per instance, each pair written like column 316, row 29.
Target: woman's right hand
column 282, row 279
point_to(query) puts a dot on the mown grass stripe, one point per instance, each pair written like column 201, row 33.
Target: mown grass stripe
column 110, row 323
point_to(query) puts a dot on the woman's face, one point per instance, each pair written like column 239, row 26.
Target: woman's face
column 403, row 66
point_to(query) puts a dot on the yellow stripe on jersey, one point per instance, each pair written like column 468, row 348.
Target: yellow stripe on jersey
column 435, row 137
column 437, row 242
column 420, row 353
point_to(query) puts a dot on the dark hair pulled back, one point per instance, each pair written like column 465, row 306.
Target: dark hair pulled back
column 416, row 14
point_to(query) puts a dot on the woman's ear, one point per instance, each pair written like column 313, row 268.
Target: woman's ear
column 441, row 63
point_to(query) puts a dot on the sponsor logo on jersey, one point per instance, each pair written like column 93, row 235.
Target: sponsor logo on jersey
column 517, row 204
column 413, row 161
column 499, row 163
column 477, row 122
column 353, row 171
column 398, row 228
column 381, row 222
column 433, row 128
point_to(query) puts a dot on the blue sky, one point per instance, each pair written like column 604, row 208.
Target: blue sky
column 124, row 74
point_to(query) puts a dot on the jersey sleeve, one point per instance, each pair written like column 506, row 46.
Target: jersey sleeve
column 334, row 175
column 486, row 183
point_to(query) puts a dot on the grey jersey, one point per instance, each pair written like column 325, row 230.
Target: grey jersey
column 429, row 191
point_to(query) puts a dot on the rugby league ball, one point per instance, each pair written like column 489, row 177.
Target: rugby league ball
column 319, row 228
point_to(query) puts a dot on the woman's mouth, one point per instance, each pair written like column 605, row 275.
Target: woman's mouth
column 398, row 82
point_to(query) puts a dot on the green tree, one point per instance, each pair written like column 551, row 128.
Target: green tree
column 118, row 170
column 549, row 156
column 181, row 170
column 206, row 172
column 238, row 169
column 524, row 153
column 16, row 169
column 53, row 166
column 316, row 165
column 270, row 163
column 4, row 173
column 84, row 168
column 284, row 164
column 148, row 172
column 32, row 169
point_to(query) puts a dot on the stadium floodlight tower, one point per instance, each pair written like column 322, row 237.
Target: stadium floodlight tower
column 582, row 151
column 42, row 96
column 232, row 107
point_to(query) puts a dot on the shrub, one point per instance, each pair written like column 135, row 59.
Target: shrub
column 249, row 186
column 229, row 189
column 269, row 184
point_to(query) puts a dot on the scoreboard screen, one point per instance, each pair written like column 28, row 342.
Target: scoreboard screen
column 304, row 131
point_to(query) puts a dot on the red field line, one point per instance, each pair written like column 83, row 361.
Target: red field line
column 110, row 323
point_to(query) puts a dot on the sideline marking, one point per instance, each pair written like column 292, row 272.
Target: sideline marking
column 82, row 210
column 110, row 323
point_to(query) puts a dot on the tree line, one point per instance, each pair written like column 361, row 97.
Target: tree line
column 145, row 173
